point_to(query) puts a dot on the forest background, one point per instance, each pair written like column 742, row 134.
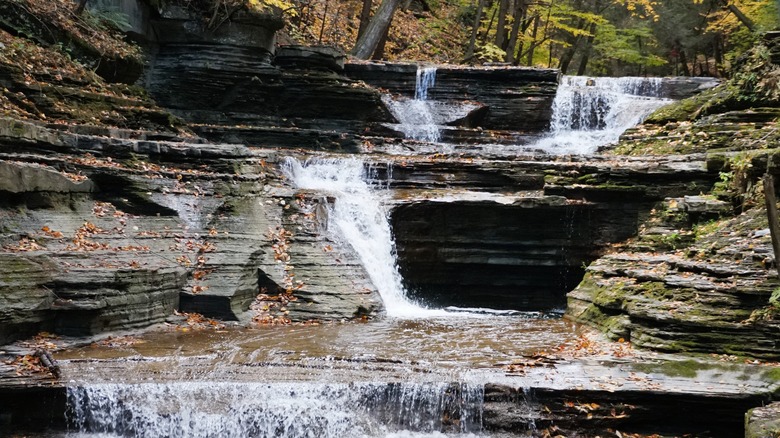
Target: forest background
column 584, row 37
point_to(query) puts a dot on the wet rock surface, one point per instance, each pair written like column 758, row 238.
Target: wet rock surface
column 232, row 85
column 124, row 218
column 588, row 395
column 518, row 99
column 102, row 234
column 668, row 289
column 763, row 422
column 465, row 239
column 700, row 276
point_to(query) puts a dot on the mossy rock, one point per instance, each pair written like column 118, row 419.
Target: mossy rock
column 683, row 110
column 763, row 422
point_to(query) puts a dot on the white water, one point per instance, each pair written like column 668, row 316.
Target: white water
column 359, row 218
column 418, row 118
column 426, row 79
column 593, row 112
column 279, row 409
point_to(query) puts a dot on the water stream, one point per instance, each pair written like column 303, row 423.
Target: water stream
column 418, row 118
column 592, row 112
column 413, row 374
column 358, row 217
column 276, row 409
column 419, row 372
column 587, row 113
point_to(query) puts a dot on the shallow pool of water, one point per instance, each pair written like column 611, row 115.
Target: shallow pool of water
column 447, row 346
column 386, row 378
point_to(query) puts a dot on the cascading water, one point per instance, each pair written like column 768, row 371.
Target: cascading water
column 360, row 219
column 279, row 409
column 426, row 79
column 417, row 117
column 592, row 112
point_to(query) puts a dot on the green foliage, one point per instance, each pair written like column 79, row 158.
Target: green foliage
column 629, row 46
column 774, row 299
column 107, row 20
column 489, row 52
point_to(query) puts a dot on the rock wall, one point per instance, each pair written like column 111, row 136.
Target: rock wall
column 231, row 86
column 524, row 256
column 465, row 238
column 132, row 229
column 700, row 276
column 704, row 287
column 517, row 99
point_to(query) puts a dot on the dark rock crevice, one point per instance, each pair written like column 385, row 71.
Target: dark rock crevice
column 522, row 256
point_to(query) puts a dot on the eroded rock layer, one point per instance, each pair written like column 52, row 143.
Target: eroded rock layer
column 465, row 239
column 102, row 234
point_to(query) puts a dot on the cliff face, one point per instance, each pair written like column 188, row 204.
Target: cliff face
column 700, row 276
column 115, row 214
column 132, row 229
column 517, row 234
column 517, row 99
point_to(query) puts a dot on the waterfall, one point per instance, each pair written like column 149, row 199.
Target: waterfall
column 426, row 78
column 417, row 117
column 592, row 112
column 359, row 218
column 277, row 409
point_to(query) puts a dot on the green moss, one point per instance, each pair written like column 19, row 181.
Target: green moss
column 706, row 228
column 685, row 368
column 590, row 178
column 682, row 110
column 772, row 374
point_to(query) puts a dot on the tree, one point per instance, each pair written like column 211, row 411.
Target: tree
column 81, row 6
column 365, row 16
column 474, row 31
column 380, row 22
column 503, row 9
column 518, row 17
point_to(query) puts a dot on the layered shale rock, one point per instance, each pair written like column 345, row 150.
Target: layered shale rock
column 103, row 234
column 517, row 99
column 702, row 289
column 700, row 276
column 516, row 234
column 763, row 422
column 232, row 85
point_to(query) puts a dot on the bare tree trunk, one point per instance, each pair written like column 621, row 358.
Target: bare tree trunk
column 368, row 42
column 526, row 23
column 545, row 34
column 518, row 15
column 771, row 212
column 365, row 16
column 379, row 53
column 324, row 18
column 573, row 41
column 80, row 8
column 489, row 26
column 586, row 52
column 684, row 63
column 742, row 17
column 503, row 9
column 474, row 31
column 530, row 59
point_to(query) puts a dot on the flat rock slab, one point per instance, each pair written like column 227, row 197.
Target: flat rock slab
column 763, row 422
column 580, row 396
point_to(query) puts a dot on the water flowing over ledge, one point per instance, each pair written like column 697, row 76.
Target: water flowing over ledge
column 418, row 118
column 288, row 409
column 586, row 113
column 592, row 112
column 358, row 217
